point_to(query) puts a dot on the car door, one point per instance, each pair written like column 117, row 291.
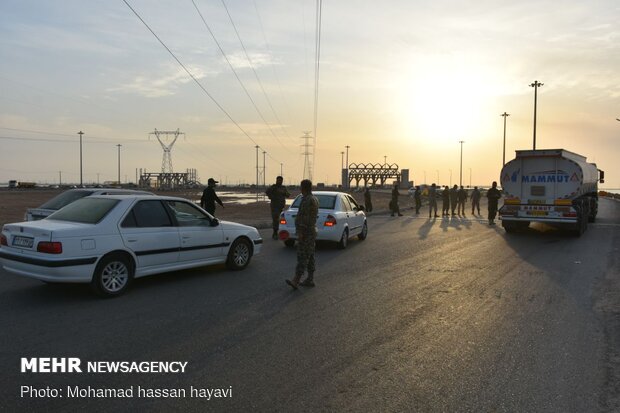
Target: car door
column 200, row 240
column 356, row 216
column 346, row 212
column 148, row 231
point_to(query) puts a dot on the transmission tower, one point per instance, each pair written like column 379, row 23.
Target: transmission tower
column 307, row 152
column 166, row 162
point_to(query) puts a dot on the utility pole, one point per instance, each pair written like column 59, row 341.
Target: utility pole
column 59, row 178
column 535, row 85
column 256, row 172
column 264, row 168
column 385, row 159
column 119, row 163
column 461, row 167
column 341, row 160
column 505, row 115
column 81, row 181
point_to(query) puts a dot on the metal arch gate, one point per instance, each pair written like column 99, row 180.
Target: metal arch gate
column 372, row 173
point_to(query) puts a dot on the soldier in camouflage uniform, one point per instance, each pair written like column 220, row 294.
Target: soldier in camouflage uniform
column 277, row 193
column 305, row 227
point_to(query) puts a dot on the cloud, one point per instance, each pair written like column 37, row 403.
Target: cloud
column 166, row 84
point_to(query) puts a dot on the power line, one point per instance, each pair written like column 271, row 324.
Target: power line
column 224, row 111
column 237, row 76
column 273, row 67
column 252, row 67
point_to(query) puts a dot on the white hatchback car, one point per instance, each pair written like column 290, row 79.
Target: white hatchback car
column 340, row 218
column 108, row 240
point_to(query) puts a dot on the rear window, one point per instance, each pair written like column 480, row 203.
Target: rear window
column 85, row 210
column 325, row 201
column 65, row 198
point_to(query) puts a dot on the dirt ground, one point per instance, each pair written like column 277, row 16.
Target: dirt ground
column 13, row 204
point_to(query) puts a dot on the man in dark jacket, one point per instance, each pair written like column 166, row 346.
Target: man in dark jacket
column 209, row 197
column 277, row 193
column 394, row 202
column 494, row 195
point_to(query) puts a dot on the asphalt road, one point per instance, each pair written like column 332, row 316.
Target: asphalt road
column 424, row 315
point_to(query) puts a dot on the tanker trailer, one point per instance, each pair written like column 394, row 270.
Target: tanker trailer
column 554, row 186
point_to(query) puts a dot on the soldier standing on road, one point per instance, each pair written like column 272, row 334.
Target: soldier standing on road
column 305, row 227
column 453, row 197
column 418, row 199
column 462, row 198
column 432, row 201
column 494, row 195
column 445, row 196
column 209, row 197
column 367, row 200
column 475, row 200
column 277, row 193
column 394, row 202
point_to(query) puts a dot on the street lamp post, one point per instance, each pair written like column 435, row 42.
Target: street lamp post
column 505, row 115
column 461, row 174
column 81, row 133
column 535, row 85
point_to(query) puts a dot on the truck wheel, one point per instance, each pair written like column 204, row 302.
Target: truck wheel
column 509, row 227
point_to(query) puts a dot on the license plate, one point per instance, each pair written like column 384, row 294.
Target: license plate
column 23, row 242
column 538, row 213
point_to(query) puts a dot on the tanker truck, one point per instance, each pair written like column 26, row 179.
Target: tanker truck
column 554, row 186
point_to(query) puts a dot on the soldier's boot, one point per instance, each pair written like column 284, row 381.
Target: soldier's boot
column 309, row 281
column 294, row 283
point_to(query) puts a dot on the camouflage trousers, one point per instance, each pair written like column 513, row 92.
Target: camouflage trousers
column 305, row 256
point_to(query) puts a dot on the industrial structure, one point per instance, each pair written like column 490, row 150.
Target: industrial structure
column 372, row 174
column 167, row 178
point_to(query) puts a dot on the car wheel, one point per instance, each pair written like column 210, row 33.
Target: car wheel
column 112, row 275
column 239, row 254
column 362, row 235
column 289, row 242
column 344, row 239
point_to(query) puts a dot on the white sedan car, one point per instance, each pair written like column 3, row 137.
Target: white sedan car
column 340, row 218
column 108, row 240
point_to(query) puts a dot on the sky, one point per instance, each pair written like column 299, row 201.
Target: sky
column 398, row 81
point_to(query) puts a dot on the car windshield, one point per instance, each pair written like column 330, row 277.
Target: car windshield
column 65, row 198
column 325, row 201
column 85, row 210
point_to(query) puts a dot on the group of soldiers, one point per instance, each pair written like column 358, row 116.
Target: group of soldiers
column 453, row 201
column 305, row 221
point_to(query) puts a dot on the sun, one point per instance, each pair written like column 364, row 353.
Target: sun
column 443, row 103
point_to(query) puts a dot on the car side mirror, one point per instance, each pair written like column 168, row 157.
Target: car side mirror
column 360, row 208
column 215, row 222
